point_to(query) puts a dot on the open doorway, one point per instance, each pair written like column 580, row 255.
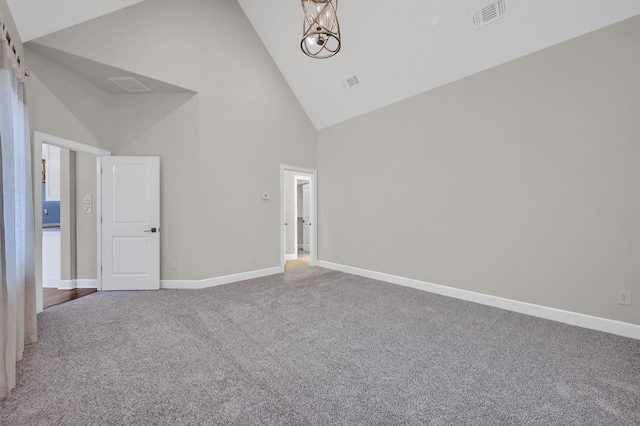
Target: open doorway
column 297, row 221
column 298, row 212
column 90, row 202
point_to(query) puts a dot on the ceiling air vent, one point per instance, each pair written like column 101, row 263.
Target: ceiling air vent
column 351, row 83
column 489, row 14
column 129, row 84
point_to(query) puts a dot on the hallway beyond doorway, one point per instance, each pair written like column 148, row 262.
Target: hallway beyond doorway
column 301, row 262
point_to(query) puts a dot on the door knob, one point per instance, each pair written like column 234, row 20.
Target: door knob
column 152, row 230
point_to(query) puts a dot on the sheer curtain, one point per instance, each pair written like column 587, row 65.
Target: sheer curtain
column 17, row 271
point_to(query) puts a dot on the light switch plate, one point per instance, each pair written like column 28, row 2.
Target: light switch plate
column 88, row 198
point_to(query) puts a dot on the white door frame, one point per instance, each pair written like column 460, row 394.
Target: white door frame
column 313, row 173
column 38, row 139
column 297, row 179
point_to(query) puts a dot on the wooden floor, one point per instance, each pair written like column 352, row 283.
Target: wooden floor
column 301, row 262
column 53, row 296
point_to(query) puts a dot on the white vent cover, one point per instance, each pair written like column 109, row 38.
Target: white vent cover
column 129, row 84
column 489, row 13
column 351, row 82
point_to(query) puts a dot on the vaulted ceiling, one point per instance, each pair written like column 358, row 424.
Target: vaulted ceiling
column 396, row 48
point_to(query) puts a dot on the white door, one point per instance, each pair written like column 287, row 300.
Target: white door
column 130, row 223
column 306, row 217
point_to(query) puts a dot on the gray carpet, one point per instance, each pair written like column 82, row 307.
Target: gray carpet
column 314, row 346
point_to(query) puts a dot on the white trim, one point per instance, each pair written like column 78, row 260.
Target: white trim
column 292, row 256
column 99, row 222
column 226, row 279
column 41, row 138
column 313, row 173
column 67, row 284
column 38, row 139
column 82, row 283
column 573, row 318
column 296, row 181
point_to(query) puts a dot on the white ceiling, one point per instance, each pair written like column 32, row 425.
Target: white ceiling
column 397, row 48
column 36, row 18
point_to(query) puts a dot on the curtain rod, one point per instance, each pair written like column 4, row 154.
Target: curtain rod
column 7, row 36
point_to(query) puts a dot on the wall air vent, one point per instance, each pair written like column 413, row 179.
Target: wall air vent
column 129, row 84
column 351, row 83
column 489, row 14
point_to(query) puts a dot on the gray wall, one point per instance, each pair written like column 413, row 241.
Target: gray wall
column 219, row 149
column 68, row 214
column 62, row 104
column 519, row 182
column 86, row 232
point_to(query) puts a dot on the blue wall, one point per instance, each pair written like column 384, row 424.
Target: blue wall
column 52, row 207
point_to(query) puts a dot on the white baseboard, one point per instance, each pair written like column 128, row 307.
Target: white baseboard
column 83, row 283
column 226, row 279
column 573, row 318
column 67, row 284
column 293, row 256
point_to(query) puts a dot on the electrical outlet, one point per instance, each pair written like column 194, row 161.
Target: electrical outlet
column 254, row 258
column 174, row 265
column 87, row 208
column 624, row 297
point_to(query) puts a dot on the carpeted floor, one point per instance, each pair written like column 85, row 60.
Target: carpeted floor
column 314, row 346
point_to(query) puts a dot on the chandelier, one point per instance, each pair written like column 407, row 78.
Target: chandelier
column 321, row 31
